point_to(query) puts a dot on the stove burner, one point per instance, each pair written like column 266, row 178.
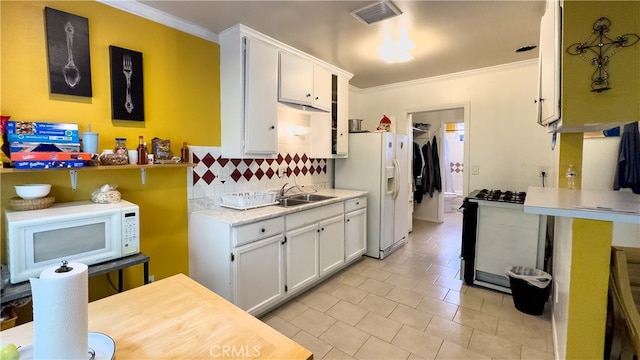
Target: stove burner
column 502, row 196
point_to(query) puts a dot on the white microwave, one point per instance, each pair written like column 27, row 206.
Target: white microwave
column 81, row 231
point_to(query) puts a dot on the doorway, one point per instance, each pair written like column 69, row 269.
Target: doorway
column 449, row 126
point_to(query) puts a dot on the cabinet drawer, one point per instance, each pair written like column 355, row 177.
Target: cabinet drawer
column 259, row 230
column 313, row 215
column 355, row 204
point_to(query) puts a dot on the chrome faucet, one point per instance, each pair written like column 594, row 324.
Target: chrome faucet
column 283, row 190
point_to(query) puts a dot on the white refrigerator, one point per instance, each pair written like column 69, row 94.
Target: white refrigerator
column 378, row 163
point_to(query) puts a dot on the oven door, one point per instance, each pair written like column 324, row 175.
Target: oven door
column 468, row 248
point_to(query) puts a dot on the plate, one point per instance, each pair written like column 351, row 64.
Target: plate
column 102, row 345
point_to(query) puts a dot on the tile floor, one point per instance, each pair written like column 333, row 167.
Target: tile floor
column 412, row 305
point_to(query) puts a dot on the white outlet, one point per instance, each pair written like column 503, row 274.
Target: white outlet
column 544, row 169
column 152, row 278
column 475, row 169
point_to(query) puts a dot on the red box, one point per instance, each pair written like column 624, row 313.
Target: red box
column 33, row 155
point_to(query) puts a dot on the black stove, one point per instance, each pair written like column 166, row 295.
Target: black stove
column 507, row 196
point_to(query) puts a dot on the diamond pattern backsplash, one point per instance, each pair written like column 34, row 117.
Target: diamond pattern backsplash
column 214, row 175
column 211, row 169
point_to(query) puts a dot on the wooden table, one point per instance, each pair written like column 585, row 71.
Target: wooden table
column 177, row 318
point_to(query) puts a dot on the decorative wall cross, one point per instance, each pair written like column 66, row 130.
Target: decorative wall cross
column 599, row 44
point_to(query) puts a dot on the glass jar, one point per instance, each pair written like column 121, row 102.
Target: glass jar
column 121, row 146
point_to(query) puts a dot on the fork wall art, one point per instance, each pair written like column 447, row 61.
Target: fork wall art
column 68, row 53
column 127, row 95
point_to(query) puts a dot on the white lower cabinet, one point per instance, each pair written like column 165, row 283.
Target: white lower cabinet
column 355, row 234
column 257, row 274
column 331, row 241
column 261, row 264
column 302, row 258
column 355, row 228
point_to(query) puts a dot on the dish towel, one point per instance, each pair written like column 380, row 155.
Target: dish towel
column 628, row 166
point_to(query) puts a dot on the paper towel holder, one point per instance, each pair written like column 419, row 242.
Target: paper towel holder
column 63, row 267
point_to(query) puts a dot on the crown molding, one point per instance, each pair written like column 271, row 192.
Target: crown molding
column 479, row 71
column 161, row 17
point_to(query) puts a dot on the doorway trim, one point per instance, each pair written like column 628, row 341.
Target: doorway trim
column 466, row 106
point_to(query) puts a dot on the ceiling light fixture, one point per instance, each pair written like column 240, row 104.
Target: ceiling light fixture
column 378, row 11
column 396, row 51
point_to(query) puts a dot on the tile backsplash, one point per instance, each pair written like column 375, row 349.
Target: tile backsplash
column 214, row 175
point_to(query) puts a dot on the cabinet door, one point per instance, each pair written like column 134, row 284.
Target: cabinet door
column 258, row 275
column 260, row 112
column 331, row 242
column 342, row 106
column 320, row 144
column 549, row 62
column 321, row 88
column 355, row 234
column 302, row 257
column 296, row 80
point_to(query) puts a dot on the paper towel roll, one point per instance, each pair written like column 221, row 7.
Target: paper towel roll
column 60, row 317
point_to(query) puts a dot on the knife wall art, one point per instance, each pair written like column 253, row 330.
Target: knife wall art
column 68, row 53
column 127, row 95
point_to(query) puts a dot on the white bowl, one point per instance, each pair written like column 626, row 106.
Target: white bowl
column 33, row 191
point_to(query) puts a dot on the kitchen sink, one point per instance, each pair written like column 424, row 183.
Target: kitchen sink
column 296, row 200
column 287, row 202
column 311, row 197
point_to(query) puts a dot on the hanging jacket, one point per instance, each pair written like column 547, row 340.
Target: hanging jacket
column 417, row 161
column 628, row 167
column 428, row 174
column 437, row 178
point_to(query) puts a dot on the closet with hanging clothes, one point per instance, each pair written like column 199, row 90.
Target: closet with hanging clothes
column 426, row 163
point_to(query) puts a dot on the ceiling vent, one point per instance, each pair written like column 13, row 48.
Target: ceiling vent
column 379, row 11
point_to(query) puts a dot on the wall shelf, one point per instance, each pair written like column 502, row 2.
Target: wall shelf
column 73, row 173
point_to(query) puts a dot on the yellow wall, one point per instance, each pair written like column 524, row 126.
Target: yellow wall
column 182, row 103
column 592, row 239
column 580, row 104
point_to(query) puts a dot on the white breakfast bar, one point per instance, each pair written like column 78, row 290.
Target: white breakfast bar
column 581, row 260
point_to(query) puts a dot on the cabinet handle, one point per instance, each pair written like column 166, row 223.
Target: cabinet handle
column 308, row 95
column 357, row 203
column 318, row 230
column 272, row 127
column 536, row 101
column 348, row 220
column 262, row 230
column 322, row 229
column 317, row 98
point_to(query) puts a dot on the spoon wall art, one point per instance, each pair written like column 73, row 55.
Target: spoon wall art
column 68, row 53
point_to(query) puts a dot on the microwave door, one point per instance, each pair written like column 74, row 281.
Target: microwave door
column 84, row 238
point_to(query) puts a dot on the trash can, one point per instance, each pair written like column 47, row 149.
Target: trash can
column 529, row 289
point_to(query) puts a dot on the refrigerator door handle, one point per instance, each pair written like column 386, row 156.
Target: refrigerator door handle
column 396, row 179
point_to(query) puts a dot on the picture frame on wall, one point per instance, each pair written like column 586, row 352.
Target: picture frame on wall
column 68, row 53
column 127, row 93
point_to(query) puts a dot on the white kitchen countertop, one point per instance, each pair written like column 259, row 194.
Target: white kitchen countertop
column 615, row 206
column 239, row 217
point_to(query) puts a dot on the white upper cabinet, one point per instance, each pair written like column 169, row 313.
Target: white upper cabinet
column 321, row 88
column 261, row 121
column 248, row 95
column 548, row 100
column 257, row 73
column 331, row 132
column 303, row 82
